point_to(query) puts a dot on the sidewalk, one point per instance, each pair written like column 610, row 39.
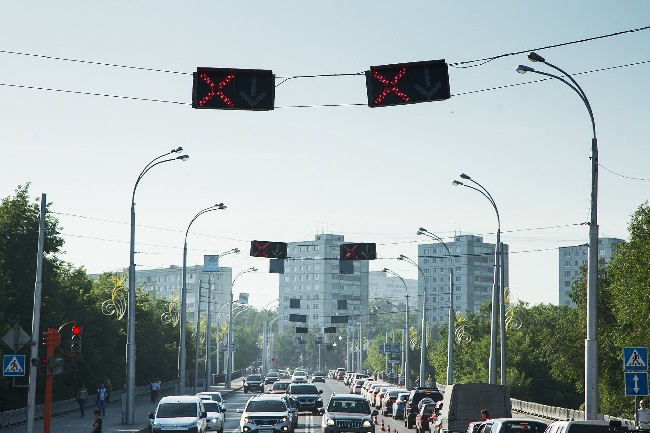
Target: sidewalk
column 112, row 423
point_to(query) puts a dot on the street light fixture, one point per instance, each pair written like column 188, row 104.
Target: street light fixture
column 406, row 329
column 452, row 313
column 423, row 340
column 181, row 347
column 496, row 290
column 591, row 341
column 130, row 339
column 228, row 349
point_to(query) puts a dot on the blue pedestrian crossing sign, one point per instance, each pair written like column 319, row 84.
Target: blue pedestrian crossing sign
column 635, row 359
column 636, row 383
column 13, row 365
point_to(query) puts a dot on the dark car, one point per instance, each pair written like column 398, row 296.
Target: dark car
column 389, row 399
column 307, row 397
column 417, row 394
column 318, row 376
column 253, row 382
column 348, row 413
column 271, row 377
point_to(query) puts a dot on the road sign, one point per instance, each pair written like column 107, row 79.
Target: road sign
column 635, row 359
column 13, row 365
column 233, row 89
column 211, row 263
column 16, row 338
column 636, row 383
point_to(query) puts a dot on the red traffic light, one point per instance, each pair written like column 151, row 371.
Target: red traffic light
column 76, row 330
column 44, row 362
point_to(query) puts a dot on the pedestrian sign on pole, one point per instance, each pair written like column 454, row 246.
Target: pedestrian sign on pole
column 636, row 383
column 635, row 359
column 13, row 365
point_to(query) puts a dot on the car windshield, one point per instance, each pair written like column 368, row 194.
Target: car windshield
column 211, row 406
column 254, row 377
column 176, row 410
column 280, row 385
column 266, row 406
column 303, row 389
column 299, row 373
column 350, row 406
column 395, row 393
column 318, row 373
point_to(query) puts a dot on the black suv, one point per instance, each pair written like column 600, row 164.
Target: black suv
column 307, row 397
column 417, row 394
column 253, row 382
column 349, row 413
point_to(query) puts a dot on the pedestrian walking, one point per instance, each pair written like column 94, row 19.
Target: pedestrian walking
column 97, row 425
column 109, row 391
column 485, row 415
column 101, row 399
column 155, row 388
column 643, row 416
column 82, row 396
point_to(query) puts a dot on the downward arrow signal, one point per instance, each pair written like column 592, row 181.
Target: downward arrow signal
column 428, row 91
column 253, row 102
column 636, row 383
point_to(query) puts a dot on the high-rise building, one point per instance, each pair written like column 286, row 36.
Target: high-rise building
column 167, row 283
column 572, row 258
column 315, row 287
column 473, row 265
column 385, row 286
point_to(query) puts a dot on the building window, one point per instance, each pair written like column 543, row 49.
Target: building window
column 426, row 251
column 457, row 278
column 567, row 264
column 315, row 316
column 567, row 284
column 601, row 252
column 426, row 261
column 567, row 273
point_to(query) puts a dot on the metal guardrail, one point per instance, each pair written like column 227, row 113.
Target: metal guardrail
column 10, row 418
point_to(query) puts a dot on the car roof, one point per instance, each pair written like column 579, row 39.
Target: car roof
column 349, row 396
column 180, row 399
column 267, row 397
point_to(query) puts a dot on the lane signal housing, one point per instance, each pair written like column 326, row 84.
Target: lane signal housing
column 75, row 345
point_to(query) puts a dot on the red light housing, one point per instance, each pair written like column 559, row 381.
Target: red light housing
column 76, row 330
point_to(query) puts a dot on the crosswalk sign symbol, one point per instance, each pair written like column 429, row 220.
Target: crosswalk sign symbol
column 13, row 365
column 635, row 358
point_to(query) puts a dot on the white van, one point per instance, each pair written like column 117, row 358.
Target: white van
column 181, row 413
column 580, row 427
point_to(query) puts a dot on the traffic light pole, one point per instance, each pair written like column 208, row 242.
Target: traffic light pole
column 52, row 340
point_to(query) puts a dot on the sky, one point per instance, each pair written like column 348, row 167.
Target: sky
column 90, row 92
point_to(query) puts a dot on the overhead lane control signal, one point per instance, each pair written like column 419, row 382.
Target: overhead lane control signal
column 363, row 251
column 233, row 89
column 407, row 83
column 270, row 250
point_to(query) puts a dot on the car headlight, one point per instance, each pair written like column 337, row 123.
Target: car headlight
column 193, row 424
column 215, row 419
column 283, row 419
column 329, row 421
column 246, row 419
column 367, row 423
column 319, row 399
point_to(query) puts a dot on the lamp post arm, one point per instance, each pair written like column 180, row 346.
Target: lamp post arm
column 484, row 195
column 146, row 169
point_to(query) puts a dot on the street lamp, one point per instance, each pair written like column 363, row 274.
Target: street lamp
column 229, row 364
column 406, row 329
column 591, row 342
column 496, row 290
column 130, row 339
column 181, row 348
column 452, row 313
column 265, row 339
column 423, row 341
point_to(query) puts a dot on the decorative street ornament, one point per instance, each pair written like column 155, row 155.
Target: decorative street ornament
column 173, row 313
column 119, row 296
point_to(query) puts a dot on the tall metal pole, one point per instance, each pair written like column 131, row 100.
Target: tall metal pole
column 406, row 329
column 502, row 314
column 496, row 290
column 36, row 317
column 181, row 344
column 130, row 341
column 591, row 341
column 229, row 364
column 198, row 338
column 208, row 337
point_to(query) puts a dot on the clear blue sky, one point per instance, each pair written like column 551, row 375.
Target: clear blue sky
column 373, row 175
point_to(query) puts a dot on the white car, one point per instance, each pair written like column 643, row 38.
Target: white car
column 299, row 376
column 215, row 418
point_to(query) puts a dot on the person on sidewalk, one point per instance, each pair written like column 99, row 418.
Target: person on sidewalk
column 97, row 425
column 109, row 390
column 155, row 388
column 643, row 416
column 101, row 398
column 82, row 395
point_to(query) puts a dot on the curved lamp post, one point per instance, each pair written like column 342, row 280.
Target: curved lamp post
column 452, row 313
column 229, row 352
column 423, row 341
column 591, row 342
column 181, row 346
column 265, row 339
column 496, row 290
column 130, row 340
column 406, row 328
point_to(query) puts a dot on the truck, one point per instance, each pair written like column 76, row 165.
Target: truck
column 462, row 403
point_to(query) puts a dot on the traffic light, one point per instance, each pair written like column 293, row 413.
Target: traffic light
column 75, row 345
column 56, row 364
column 407, row 83
column 43, row 366
column 358, row 251
column 233, row 89
column 270, row 250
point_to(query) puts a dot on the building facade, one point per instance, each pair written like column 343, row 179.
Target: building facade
column 383, row 285
column 472, row 261
column 572, row 258
column 313, row 286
